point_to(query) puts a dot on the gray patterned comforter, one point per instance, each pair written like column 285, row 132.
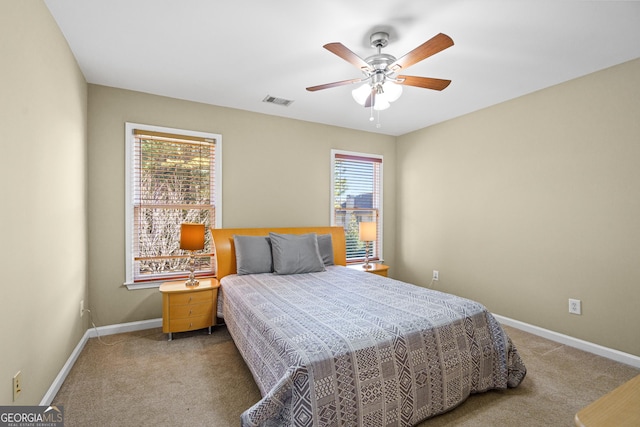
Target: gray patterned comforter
column 348, row 348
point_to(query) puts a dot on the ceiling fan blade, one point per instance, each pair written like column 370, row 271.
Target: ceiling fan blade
column 371, row 99
column 432, row 46
column 343, row 52
column 334, row 84
column 424, row 82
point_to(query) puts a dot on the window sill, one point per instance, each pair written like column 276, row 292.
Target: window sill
column 144, row 285
column 133, row 286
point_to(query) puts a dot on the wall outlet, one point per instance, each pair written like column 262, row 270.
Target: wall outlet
column 17, row 385
column 81, row 307
column 575, row 306
column 436, row 275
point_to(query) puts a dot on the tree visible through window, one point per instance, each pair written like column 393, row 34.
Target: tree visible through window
column 172, row 181
column 357, row 197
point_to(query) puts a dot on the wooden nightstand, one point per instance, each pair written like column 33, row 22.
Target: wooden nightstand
column 187, row 308
column 379, row 269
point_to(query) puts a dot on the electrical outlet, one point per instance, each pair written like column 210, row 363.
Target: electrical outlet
column 17, row 385
column 436, row 275
column 81, row 307
column 575, row 306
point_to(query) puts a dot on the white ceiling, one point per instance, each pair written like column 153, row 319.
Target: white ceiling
column 233, row 53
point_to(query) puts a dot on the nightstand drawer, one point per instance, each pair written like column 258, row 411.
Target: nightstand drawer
column 190, row 310
column 190, row 324
column 195, row 297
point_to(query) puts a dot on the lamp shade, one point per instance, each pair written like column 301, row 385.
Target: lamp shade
column 367, row 231
column 192, row 236
column 381, row 103
column 392, row 91
column 361, row 94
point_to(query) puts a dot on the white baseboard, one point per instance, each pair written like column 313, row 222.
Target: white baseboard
column 609, row 353
column 92, row 333
column 57, row 383
column 125, row 327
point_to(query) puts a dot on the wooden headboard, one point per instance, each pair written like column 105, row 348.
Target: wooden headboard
column 225, row 252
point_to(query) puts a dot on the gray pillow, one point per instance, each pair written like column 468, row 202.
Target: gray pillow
column 325, row 245
column 253, row 254
column 295, row 253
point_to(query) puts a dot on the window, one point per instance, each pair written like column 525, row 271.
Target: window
column 173, row 176
column 357, row 197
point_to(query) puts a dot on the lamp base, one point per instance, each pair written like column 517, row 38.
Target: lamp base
column 366, row 265
column 192, row 272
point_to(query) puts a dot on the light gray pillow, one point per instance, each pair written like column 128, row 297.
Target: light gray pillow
column 253, row 254
column 295, row 253
column 325, row 245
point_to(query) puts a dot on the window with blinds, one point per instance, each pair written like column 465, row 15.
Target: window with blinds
column 357, row 197
column 172, row 180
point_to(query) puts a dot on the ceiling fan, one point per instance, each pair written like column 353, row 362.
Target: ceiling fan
column 380, row 70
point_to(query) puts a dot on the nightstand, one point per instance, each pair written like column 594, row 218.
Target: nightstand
column 187, row 308
column 379, row 269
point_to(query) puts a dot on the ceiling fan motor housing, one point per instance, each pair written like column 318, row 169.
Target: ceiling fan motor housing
column 380, row 61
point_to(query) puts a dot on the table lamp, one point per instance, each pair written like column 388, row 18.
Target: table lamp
column 192, row 239
column 367, row 234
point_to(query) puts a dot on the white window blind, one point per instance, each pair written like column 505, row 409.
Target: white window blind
column 357, row 197
column 172, row 181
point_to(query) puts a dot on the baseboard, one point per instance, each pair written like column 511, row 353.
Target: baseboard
column 125, row 327
column 92, row 333
column 609, row 353
column 57, row 383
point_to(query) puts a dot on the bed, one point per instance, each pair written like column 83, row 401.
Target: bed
column 334, row 346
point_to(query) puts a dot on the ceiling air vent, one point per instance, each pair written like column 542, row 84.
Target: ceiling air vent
column 278, row 101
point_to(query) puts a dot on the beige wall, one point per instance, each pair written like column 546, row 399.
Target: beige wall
column 43, row 185
column 276, row 172
column 531, row 202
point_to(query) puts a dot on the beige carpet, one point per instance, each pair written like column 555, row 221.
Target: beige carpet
column 198, row 379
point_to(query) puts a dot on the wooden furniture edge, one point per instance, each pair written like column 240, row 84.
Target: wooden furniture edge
column 224, row 248
column 179, row 285
column 619, row 407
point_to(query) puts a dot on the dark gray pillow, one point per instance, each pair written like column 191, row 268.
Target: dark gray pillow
column 295, row 253
column 253, row 254
column 325, row 245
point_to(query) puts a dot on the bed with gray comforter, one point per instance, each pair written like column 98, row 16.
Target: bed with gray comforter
column 348, row 348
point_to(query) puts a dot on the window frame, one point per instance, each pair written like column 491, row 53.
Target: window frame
column 380, row 234
column 129, row 192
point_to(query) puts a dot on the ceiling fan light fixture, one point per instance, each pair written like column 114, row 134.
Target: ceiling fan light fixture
column 361, row 94
column 392, row 90
column 381, row 103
